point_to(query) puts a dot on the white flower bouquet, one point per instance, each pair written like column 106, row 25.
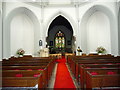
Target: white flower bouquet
column 101, row 49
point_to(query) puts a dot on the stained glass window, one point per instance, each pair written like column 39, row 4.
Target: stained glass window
column 59, row 40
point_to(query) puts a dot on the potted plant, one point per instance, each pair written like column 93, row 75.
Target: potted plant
column 101, row 50
column 20, row 52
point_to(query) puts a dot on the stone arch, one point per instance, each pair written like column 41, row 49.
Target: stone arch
column 7, row 34
column 113, row 32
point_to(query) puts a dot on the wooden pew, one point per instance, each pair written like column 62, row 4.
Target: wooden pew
column 97, row 70
column 24, row 56
column 33, row 63
column 77, row 59
column 22, row 67
column 79, row 68
column 74, row 65
column 74, row 62
column 31, row 58
column 22, row 82
column 25, row 73
column 25, row 79
column 49, row 65
column 30, row 68
column 101, row 81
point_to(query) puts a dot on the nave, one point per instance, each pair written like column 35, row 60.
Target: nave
column 42, row 30
column 59, row 78
column 100, row 72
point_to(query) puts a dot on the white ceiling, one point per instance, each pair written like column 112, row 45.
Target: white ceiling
column 58, row 2
column 50, row 1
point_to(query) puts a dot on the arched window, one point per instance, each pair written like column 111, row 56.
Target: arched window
column 59, row 40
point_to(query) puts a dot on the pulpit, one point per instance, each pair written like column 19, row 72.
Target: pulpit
column 44, row 52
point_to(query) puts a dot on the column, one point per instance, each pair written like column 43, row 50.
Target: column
column 1, row 31
column 78, row 39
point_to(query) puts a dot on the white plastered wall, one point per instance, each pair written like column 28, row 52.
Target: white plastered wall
column 98, row 32
column 31, row 20
column 113, row 44
column 22, row 34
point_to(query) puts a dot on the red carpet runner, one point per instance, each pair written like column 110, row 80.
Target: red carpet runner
column 63, row 78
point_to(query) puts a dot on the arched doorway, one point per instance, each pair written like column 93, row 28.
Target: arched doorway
column 60, row 34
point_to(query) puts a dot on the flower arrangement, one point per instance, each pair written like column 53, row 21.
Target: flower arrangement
column 101, row 49
column 79, row 50
column 20, row 51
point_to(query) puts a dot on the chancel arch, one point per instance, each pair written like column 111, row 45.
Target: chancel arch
column 21, row 31
column 60, row 25
column 68, row 17
column 93, row 29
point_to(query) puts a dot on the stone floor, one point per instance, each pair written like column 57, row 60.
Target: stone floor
column 52, row 80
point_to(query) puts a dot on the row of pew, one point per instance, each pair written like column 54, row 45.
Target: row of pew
column 27, row 72
column 96, row 72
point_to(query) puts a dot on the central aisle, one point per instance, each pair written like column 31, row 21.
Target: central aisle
column 63, row 78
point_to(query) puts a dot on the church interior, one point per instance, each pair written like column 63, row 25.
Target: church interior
column 60, row 44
